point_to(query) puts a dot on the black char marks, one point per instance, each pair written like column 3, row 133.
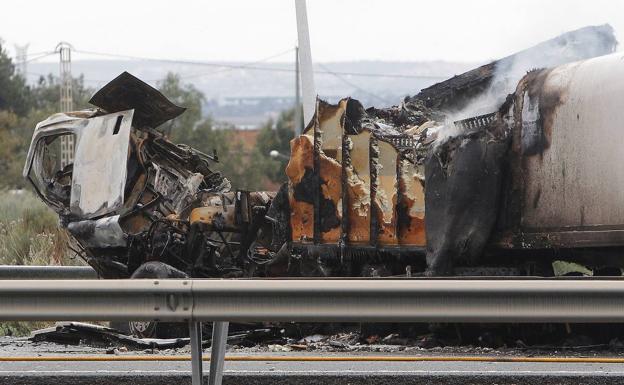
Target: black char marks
column 463, row 177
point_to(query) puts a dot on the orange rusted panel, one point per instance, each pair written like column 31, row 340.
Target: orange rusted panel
column 217, row 217
column 358, row 188
column 411, row 210
column 331, row 199
column 300, row 172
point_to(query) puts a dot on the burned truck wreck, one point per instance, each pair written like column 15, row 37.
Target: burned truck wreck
column 131, row 196
column 493, row 172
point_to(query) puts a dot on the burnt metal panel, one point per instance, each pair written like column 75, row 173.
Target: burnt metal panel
column 329, row 131
column 386, row 186
column 100, row 165
column 350, row 184
column 358, row 188
column 301, row 189
column 411, row 207
column 126, row 92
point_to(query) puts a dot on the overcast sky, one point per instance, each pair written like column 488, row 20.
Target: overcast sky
column 245, row 30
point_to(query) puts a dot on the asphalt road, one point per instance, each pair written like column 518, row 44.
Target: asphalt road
column 312, row 373
column 301, row 372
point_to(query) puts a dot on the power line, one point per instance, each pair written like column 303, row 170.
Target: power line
column 259, row 61
column 265, row 59
column 358, row 88
column 254, row 67
column 40, row 56
column 39, row 53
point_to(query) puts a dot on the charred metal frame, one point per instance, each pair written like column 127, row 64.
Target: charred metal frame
column 343, row 250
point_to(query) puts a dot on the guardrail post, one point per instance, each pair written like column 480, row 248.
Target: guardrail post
column 217, row 355
column 196, row 352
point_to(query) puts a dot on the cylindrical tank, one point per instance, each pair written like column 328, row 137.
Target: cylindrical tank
column 567, row 160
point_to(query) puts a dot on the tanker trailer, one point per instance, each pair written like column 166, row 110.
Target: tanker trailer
column 566, row 164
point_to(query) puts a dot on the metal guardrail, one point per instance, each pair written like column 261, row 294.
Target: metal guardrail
column 310, row 300
column 47, row 272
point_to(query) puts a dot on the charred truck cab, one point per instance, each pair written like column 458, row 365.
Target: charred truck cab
column 401, row 191
column 130, row 196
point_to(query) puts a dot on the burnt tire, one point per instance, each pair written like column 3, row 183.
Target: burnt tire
column 153, row 329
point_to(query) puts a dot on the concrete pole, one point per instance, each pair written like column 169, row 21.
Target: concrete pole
column 298, row 128
column 305, row 61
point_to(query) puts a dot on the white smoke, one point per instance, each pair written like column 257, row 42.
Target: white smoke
column 573, row 46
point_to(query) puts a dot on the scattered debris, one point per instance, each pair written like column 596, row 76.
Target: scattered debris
column 313, row 338
column 75, row 333
column 444, row 339
column 372, row 339
column 564, row 268
column 279, row 348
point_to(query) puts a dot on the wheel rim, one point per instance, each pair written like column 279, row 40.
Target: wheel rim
column 143, row 329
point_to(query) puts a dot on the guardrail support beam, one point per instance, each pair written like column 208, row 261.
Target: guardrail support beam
column 196, row 353
column 217, row 354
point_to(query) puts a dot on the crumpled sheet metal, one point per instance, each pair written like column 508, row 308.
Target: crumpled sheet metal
column 75, row 333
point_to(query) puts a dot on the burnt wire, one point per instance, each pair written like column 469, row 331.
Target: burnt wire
column 39, row 56
column 340, row 77
column 219, row 241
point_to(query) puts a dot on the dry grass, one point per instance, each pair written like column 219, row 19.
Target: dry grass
column 30, row 235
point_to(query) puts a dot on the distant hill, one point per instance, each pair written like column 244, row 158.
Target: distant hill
column 248, row 97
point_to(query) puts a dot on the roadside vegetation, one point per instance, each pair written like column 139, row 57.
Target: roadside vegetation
column 29, row 232
column 29, row 235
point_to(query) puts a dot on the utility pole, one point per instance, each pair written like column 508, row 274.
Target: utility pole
column 67, row 102
column 21, row 55
column 298, row 128
column 305, row 57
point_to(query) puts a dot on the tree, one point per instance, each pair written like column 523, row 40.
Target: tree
column 277, row 138
column 14, row 94
column 187, row 96
column 11, row 151
column 244, row 170
column 21, row 108
column 46, row 94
